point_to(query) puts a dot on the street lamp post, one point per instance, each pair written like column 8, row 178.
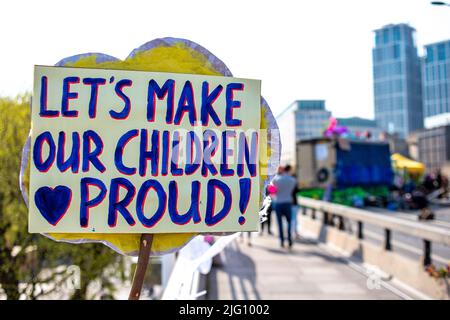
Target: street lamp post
column 440, row 3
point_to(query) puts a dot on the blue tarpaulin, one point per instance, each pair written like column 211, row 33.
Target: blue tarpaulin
column 365, row 164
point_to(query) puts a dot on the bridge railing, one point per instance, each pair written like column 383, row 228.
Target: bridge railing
column 194, row 259
column 334, row 214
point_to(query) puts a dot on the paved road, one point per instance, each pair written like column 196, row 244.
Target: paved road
column 266, row 271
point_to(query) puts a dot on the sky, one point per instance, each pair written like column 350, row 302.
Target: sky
column 318, row 49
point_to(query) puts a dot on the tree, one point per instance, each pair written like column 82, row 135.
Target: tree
column 24, row 256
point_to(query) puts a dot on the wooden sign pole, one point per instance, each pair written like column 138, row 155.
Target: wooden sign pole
column 141, row 266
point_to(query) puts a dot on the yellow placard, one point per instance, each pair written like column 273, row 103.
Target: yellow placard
column 118, row 151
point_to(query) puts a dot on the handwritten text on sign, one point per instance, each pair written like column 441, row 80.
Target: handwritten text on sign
column 117, row 151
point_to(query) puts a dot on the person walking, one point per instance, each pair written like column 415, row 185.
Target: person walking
column 285, row 185
column 249, row 238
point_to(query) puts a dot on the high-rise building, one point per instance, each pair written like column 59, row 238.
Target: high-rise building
column 397, row 80
column 436, row 84
column 303, row 119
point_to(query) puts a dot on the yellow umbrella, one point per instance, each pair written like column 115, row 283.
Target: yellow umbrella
column 401, row 162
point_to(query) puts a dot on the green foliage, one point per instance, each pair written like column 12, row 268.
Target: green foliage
column 346, row 196
column 315, row 193
column 24, row 256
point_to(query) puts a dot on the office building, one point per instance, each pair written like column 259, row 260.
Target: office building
column 303, row 119
column 397, row 80
column 436, row 84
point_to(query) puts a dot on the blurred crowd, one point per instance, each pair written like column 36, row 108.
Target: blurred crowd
column 413, row 193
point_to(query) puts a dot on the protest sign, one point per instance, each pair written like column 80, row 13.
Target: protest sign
column 119, row 151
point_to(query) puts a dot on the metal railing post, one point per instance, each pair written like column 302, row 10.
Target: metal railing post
column 325, row 218
column 360, row 230
column 341, row 224
column 387, row 240
column 426, row 252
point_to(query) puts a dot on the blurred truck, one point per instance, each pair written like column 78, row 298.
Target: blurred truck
column 340, row 163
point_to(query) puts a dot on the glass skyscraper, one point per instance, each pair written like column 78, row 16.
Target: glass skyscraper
column 397, row 80
column 436, row 78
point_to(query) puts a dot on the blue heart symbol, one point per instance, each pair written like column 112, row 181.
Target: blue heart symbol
column 53, row 203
